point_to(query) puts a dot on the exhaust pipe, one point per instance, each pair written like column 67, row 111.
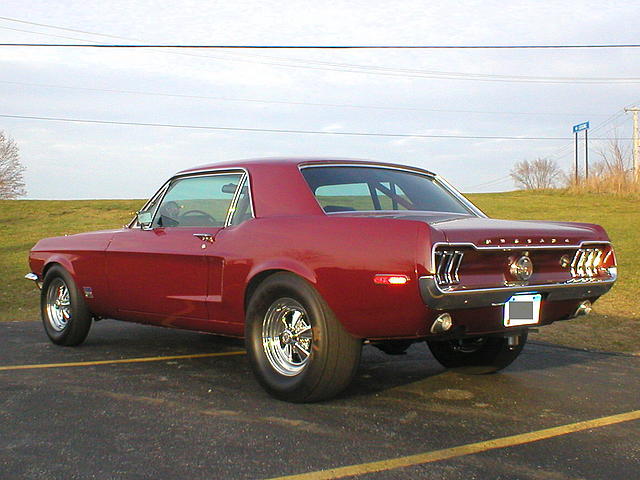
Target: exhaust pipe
column 443, row 323
column 584, row 308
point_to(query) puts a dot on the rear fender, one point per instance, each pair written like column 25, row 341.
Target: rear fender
column 284, row 264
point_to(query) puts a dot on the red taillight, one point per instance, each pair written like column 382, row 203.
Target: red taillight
column 390, row 279
column 609, row 259
column 609, row 263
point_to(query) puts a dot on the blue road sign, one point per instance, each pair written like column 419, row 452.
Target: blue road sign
column 581, row 126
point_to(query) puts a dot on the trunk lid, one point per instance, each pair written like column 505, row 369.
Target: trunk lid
column 488, row 231
column 482, row 231
column 478, row 252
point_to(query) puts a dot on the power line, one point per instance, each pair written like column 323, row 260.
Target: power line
column 278, row 130
column 565, row 150
column 378, row 70
column 447, row 74
column 283, row 102
column 47, row 25
column 58, row 28
column 348, row 67
column 413, row 73
column 322, row 47
column 562, row 151
column 491, row 183
column 39, row 33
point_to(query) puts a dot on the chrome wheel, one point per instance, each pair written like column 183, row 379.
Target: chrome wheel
column 58, row 305
column 287, row 336
column 297, row 348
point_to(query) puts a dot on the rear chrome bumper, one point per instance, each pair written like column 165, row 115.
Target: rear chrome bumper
column 439, row 299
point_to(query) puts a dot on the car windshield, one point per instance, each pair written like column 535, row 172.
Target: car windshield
column 355, row 188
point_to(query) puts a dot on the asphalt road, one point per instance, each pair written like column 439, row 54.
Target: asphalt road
column 206, row 417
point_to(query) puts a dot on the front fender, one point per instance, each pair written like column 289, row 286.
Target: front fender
column 62, row 260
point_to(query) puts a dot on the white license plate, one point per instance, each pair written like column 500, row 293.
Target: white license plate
column 522, row 310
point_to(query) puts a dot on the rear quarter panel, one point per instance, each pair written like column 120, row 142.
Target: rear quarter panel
column 340, row 257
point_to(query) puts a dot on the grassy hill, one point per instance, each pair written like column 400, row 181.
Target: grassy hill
column 24, row 222
column 614, row 327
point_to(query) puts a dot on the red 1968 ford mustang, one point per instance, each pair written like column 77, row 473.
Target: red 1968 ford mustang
column 307, row 259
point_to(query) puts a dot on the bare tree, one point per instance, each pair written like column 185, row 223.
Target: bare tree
column 612, row 173
column 615, row 159
column 536, row 174
column 11, row 170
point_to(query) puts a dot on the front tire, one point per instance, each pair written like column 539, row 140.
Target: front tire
column 65, row 316
column 477, row 355
column 298, row 349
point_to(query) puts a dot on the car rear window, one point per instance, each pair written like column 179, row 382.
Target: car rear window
column 355, row 188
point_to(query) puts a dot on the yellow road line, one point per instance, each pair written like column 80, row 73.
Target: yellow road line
column 462, row 450
column 123, row 360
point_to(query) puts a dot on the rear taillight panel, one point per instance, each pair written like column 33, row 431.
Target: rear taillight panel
column 467, row 267
column 593, row 262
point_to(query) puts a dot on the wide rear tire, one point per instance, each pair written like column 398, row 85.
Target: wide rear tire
column 298, row 349
column 478, row 355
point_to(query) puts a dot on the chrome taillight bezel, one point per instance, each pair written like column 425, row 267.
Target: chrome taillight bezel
column 447, row 266
column 591, row 262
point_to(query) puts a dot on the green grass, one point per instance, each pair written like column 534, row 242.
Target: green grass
column 24, row 222
column 613, row 327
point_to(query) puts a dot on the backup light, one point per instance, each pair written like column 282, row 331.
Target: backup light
column 390, row 279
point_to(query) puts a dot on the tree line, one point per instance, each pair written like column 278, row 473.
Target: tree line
column 612, row 172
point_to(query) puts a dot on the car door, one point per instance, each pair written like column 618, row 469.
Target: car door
column 160, row 274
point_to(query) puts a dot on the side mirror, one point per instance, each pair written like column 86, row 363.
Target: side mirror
column 145, row 219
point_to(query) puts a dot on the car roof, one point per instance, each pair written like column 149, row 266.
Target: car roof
column 293, row 161
column 278, row 188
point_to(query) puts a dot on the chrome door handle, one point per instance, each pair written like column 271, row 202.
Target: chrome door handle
column 205, row 237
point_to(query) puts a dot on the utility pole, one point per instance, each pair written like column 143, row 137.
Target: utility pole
column 636, row 143
column 586, row 154
column 576, row 150
column 578, row 128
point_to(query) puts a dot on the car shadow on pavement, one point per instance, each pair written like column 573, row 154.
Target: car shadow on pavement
column 417, row 372
column 377, row 372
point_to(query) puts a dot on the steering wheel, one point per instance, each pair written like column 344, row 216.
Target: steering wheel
column 199, row 212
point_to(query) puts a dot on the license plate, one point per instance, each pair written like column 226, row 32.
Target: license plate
column 522, row 310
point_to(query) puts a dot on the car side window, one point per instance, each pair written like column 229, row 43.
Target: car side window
column 242, row 211
column 150, row 206
column 345, row 197
column 388, row 194
column 201, row 201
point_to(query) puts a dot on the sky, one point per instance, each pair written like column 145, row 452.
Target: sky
column 503, row 93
